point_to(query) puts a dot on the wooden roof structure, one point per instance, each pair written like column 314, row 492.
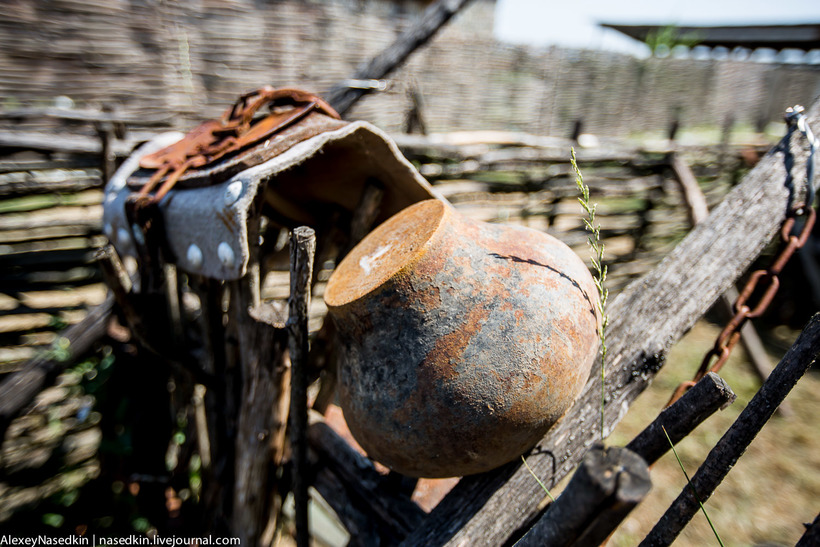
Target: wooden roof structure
column 777, row 37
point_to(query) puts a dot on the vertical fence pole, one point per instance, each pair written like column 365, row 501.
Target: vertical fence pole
column 302, row 248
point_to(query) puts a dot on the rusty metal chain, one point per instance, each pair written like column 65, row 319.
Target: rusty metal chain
column 763, row 284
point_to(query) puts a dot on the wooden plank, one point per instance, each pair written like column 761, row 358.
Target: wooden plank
column 26, row 204
column 80, row 275
column 71, row 144
column 680, row 418
column 13, row 251
column 85, row 116
column 90, row 216
column 46, row 163
column 646, row 319
column 91, row 295
column 67, row 144
column 49, row 181
column 43, row 233
column 50, row 259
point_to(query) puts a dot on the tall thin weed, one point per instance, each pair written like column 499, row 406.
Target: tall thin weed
column 692, row 486
column 597, row 247
column 541, row 484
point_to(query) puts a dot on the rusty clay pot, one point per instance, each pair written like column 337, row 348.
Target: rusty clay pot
column 461, row 342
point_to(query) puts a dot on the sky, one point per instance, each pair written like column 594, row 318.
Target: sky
column 573, row 23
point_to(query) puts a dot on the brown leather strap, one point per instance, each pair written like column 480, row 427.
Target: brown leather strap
column 238, row 129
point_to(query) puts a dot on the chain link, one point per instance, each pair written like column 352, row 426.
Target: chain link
column 763, row 284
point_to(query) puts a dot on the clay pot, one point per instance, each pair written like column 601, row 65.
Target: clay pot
column 461, row 342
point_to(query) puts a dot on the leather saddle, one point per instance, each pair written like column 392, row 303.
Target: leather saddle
column 240, row 129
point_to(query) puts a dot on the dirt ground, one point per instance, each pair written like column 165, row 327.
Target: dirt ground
column 773, row 489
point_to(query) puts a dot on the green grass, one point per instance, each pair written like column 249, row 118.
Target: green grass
column 691, row 486
column 600, row 268
column 541, row 484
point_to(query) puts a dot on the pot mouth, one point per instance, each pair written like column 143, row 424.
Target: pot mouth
column 384, row 252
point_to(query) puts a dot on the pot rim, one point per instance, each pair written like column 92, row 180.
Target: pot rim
column 387, row 252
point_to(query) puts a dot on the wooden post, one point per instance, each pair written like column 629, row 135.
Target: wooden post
column 219, row 400
column 262, row 406
column 302, row 247
column 414, row 120
column 108, row 159
column 609, row 483
column 734, row 442
column 692, row 195
column 433, row 18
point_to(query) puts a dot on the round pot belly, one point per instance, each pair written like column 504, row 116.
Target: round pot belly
column 461, row 342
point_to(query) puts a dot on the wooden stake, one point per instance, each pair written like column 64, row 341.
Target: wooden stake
column 734, row 442
column 609, row 483
column 302, row 248
column 434, row 17
column 261, row 415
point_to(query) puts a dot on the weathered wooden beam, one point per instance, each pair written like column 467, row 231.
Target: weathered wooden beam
column 44, row 182
column 677, row 421
column 517, row 149
column 80, row 115
column 608, row 484
column 302, row 248
column 58, row 259
column 33, row 279
column 20, row 388
column 391, row 514
column 342, row 97
column 646, row 320
column 69, row 144
column 45, row 163
column 29, row 221
column 734, row 442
